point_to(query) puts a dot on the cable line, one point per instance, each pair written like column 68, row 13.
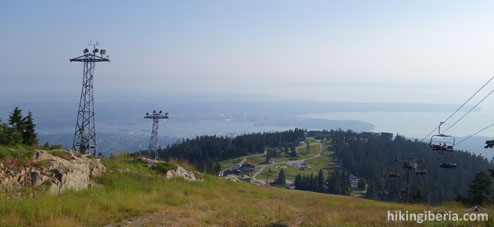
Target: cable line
column 459, row 107
column 459, row 119
column 470, row 136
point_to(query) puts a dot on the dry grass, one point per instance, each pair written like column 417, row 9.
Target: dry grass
column 150, row 200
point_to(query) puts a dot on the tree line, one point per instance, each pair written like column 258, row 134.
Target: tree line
column 337, row 182
column 205, row 152
column 374, row 158
column 18, row 129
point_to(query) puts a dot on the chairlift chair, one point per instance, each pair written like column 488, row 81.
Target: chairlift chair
column 448, row 165
column 442, row 142
column 420, row 171
column 394, row 174
column 489, row 144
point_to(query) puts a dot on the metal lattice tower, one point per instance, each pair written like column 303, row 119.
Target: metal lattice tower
column 85, row 129
column 153, row 141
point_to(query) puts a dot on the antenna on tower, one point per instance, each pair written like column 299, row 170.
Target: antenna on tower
column 153, row 141
column 85, row 129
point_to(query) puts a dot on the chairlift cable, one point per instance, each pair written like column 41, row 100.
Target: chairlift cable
column 430, row 133
column 459, row 119
column 470, row 136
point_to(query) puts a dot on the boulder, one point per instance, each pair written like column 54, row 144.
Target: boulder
column 179, row 171
column 71, row 171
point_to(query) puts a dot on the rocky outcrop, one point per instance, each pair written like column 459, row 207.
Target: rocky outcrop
column 56, row 173
column 177, row 171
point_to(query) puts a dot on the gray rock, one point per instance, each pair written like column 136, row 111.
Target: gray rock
column 57, row 175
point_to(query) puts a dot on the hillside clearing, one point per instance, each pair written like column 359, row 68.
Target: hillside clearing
column 148, row 197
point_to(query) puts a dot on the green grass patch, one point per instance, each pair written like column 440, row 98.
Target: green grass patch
column 60, row 153
column 163, row 167
column 17, row 156
column 230, row 162
column 256, row 159
column 125, row 162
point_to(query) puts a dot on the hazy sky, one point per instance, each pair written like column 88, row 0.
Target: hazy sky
column 379, row 51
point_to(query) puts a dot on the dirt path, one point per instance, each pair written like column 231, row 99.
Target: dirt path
column 294, row 163
column 242, row 162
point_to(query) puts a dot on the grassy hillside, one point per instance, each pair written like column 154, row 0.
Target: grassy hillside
column 146, row 197
column 325, row 161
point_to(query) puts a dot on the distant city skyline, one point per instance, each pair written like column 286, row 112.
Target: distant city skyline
column 357, row 51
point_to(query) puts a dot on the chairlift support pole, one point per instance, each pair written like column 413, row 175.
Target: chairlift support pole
column 153, row 140
column 85, row 129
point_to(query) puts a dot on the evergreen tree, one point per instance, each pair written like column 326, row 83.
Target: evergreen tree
column 320, row 181
column 281, row 177
column 361, row 184
column 268, row 157
column 480, row 189
column 3, row 132
column 29, row 136
column 15, row 131
column 293, row 152
column 15, row 119
column 418, row 197
column 372, row 191
column 298, row 182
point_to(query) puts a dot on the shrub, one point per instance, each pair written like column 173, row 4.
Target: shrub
column 163, row 167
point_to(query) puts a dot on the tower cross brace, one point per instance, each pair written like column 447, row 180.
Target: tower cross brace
column 153, row 141
column 85, row 129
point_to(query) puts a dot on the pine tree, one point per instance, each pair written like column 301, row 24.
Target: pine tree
column 320, row 181
column 29, row 136
column 3, row 133
column 361, row 184
column 281, row 177
column 14, row 132
column 298, row 182
column 15, row 119
column 480, row 189
column 268, row 157
column 293, row 152
column 418, row 197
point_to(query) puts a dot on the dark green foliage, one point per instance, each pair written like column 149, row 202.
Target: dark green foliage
column 320, row 181
column 293, row 151
column 336, row 183
column 163, row 167
column 372, row 159
column 268, row 158
column 29, row 136
column 204, row 151
column 339, row 183
column 418, row 197
column 281, row 177
column 18, row 130
column 15, row 119
column 361, row 185
column 480, row 190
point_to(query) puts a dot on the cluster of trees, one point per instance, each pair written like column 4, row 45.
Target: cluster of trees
column 18, row 130
column 336, row 183
column 480, row 191
column 205, row 152
column 374, row 158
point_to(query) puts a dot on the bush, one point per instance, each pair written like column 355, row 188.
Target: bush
column 20, row 153
column 163, row 167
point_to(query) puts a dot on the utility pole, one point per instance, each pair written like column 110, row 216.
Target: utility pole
column 153, row 141
column 85, row 129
